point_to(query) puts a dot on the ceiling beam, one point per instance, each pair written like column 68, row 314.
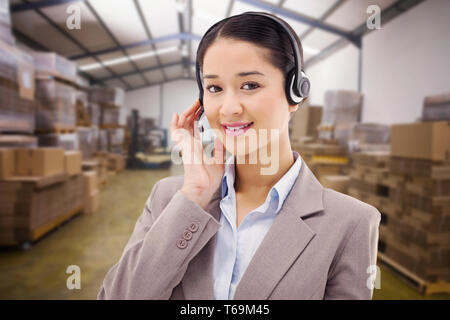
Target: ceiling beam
column 230, row 7
column 160, row 82
column 73, row 40
column 189, row 15
column 111, row 35
column 149, row 35
column 181, row 26
column 302, row 18
column 146, row 70
column 176, row 36
column 323, row 17
column 19, row 7
column 387, row 15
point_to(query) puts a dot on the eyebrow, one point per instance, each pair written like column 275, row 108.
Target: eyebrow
column 240, row 74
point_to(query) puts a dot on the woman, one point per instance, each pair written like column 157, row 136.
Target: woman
column 231, row 231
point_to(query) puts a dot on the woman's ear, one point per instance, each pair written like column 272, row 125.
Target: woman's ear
column 293, row 108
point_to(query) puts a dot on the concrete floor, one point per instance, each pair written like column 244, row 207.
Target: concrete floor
column 95, row 243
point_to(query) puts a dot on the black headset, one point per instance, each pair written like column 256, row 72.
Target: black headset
column 297, row 84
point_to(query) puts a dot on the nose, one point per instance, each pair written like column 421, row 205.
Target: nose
column 231, row 106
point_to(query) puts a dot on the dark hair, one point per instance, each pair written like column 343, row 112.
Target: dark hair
column 258, row 30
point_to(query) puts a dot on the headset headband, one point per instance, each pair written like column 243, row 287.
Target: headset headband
column 298, row 68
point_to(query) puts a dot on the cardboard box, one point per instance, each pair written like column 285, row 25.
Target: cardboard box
column 26, row 79
column 7, row 165
column 335, row 182
column 90, row 182
column 91, row 203
column 424, row 140
column 72, row 162
column 305, row 121
column 52, row 64
column 39, row 162
column 116, row 162
column 436, row 108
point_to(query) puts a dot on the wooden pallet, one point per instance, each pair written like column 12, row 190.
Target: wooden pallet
column 49, row 226
column 49, row 75
column 57, row 130
column 110, row 126
column 421, row 285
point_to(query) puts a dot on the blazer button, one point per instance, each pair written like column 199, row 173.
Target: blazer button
column 193, row 227
column 187, row 235
column 181, row 243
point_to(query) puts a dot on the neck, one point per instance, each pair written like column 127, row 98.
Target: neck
column 249, row 178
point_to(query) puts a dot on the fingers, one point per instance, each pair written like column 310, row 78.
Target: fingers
column 185, row 120
column 186, row 114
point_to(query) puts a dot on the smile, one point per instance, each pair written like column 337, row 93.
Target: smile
column 237, row 131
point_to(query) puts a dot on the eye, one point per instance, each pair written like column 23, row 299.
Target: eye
column 211, row 86
column 253, row 85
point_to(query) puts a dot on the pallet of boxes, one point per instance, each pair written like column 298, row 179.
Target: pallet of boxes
column 41, row 188
column 322, row 135
column 111, row 135
column 413, row 195
column 368, row 145
column 63, row 118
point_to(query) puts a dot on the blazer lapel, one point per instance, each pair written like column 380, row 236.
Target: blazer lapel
column 198, row 280
column 284, row 242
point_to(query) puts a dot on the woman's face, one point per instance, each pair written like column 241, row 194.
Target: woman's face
column 240, row 85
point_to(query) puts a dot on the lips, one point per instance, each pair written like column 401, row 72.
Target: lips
column 236, row 128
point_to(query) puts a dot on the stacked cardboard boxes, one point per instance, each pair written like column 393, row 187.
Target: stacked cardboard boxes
column 116, row 162
column 17, row 141
column 372, row 182
column 37, row 205
column 369, row 137
column 107, row 101
column 91, row 193
column 411, row 188
column 421, row 154
column 39, row 162
column 116, row 140
column 107, row 97
column 104, row 106
column 72, row 162
column 55, row 106
column 304, row 123
column 50, row 65
column 94, row 112
column 342, row 109
column 338, row 183
column 324, row 158
column 40, row 189
column 6, row 35
column 83, row 117
column 56, row 83
column 88, row 141
column 436, row 108
column 99, row 164
column 17, row 105
column 67, row 141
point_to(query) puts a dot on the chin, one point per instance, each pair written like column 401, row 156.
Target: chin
column 245, row 153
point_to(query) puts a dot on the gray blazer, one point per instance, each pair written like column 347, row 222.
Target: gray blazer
column 319, row 246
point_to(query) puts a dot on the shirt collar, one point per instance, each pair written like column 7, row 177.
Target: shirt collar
column 279, row 191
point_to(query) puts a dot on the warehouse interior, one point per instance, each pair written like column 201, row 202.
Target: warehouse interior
column 87, row 93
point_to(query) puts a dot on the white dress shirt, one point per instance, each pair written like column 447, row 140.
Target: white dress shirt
column 235, row 247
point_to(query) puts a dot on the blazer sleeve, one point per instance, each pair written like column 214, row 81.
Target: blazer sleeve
column 157, row 254
column 351, row 276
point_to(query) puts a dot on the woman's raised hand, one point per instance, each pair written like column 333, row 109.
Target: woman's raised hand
column 202, row 176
